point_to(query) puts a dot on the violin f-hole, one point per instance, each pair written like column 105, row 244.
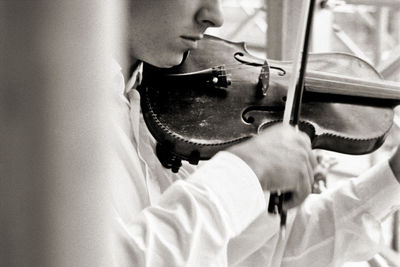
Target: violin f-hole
column 248, row 60
column 249, row 114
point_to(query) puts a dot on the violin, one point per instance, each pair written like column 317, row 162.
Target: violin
column 221, row 95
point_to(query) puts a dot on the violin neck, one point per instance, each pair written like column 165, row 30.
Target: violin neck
column 353, row 90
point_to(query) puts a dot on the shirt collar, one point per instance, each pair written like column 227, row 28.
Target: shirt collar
column 135, row 79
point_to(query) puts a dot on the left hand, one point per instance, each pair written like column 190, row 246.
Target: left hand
column 394, row 163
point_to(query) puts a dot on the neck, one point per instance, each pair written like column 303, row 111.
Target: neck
column 352, row 89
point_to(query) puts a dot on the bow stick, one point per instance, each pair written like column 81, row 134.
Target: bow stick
column 295, row 92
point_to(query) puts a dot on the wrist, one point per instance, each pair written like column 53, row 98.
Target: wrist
column 246, row 157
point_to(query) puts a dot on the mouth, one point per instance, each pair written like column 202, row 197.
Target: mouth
column 191, row 40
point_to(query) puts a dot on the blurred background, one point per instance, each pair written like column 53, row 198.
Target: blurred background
column 366, row 28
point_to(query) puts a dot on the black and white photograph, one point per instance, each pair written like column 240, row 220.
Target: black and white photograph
column 200, row 133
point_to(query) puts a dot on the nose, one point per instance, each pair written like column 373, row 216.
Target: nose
column 210, row 14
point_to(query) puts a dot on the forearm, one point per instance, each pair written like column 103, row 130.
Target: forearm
column 343, row 224
column 171, row 233
column 194, row 219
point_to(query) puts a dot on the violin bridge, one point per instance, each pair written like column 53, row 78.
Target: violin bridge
column 263, row 80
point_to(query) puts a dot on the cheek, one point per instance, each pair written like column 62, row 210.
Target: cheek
column 160, row 48
column 160, row 52
column 155, row 39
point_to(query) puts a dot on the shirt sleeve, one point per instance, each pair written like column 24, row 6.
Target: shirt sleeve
column 194, row 219
column 343, row 224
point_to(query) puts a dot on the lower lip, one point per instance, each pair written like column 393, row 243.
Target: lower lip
column 191, row 44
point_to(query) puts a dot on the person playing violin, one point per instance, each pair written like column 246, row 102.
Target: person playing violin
column 216, row 214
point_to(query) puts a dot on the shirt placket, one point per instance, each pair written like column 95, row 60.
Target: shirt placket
column 139, row 136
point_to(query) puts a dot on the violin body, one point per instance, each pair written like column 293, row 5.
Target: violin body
column 192, row 119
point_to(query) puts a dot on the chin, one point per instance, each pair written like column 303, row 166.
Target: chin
column 169, row 62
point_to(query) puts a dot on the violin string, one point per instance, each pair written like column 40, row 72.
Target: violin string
column 240, row 66
column 376, row 86
column 379, row 85
column 233, row 64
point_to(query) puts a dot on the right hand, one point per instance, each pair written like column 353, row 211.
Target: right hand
column 282, row 159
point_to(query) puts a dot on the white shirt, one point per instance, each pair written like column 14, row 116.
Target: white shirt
column 216, row 215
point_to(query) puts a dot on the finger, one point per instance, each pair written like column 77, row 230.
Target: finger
column 313, row 160
column 292, row 203
column 310, row 176
column 302, row 191
column 312, row 164
column 305, row 139
column 297, row 198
